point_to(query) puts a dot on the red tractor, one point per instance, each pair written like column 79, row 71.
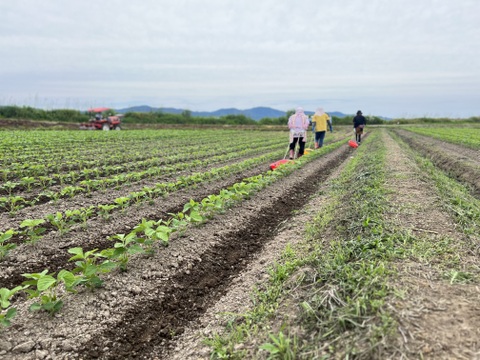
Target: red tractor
column 100, row 122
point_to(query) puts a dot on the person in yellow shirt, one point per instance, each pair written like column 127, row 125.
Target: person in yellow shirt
column 319, row 121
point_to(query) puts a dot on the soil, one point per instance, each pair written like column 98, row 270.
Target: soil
column 163, row 306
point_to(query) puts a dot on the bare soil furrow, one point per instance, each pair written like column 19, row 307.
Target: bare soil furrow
column 460, row 161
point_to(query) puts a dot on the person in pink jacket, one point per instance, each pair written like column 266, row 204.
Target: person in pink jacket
column 298, row 125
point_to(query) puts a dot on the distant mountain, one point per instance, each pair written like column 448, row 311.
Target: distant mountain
column 255, row 113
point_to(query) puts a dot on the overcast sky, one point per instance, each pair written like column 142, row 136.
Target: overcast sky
column 394, row 58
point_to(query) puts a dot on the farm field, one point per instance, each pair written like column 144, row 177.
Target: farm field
column 181, row 244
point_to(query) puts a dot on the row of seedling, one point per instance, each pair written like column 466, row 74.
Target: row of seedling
column 49, row 290
column 13, row 203
column 33, row 229
column 122, row 161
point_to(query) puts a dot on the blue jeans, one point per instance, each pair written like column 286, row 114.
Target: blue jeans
column 319, row 136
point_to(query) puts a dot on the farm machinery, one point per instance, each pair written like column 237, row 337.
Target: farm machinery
column 101, row 121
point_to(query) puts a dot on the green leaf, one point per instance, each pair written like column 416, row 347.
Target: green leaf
column 4, row 298
column 195, row 216
column 45, row 282
column 135, row 249
column 6, row 294
column 107, row 266
column 90, row 270
column 67, row 277
column 10, row 314
column 78, row 252
column 35, row 307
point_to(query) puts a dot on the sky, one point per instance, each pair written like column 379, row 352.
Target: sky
column 395, row 58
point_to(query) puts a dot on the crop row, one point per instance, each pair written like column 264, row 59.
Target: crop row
column 111, row 157
column 75, row 216
column 137, row 170
column 469, row 137
column 48, row 289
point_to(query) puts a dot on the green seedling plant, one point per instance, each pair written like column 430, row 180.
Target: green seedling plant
column 13, row 203
column 28, row 182
column 105, row 210
column 45, row 181
column 191, row 212
column 85, row 214
column 122, row 202
column 146, row 227
column 51, row 195
column 72, row 176
column 58, row 221
column 8, row 312
column 177, row 223
column 70, row 191
column 138, row 196
column 239, row 190
column 159, row 231
column 9, row 186
column 212, row 204
column 46, row 288
column 89, row 268
column 36, row 170
column 5, row 173
column 73, row 216
column 88, row 184
column 32, row 229
column 125, row 246
column 5, row 248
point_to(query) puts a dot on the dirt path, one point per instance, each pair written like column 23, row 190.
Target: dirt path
column 437, row 320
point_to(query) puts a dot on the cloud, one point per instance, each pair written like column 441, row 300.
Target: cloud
column 250, row 53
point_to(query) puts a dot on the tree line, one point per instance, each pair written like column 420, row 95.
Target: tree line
column 159, row 117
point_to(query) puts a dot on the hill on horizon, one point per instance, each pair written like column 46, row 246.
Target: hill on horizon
column 256, row 113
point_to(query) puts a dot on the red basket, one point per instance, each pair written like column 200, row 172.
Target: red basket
column 274, row 165
column 352, row 144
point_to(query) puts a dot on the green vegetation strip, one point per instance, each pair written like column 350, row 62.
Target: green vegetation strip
column 33, row 228
column 469, row 137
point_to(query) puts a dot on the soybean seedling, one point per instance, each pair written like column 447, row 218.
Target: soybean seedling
column 125, row 246
column 88, row 266
column 32, row 231
column 47, row 291
column 5, row 248
column 5, row 296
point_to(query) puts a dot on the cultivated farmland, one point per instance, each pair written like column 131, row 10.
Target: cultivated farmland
column 181, row 244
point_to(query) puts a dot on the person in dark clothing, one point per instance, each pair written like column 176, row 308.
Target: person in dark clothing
column 359, row 123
